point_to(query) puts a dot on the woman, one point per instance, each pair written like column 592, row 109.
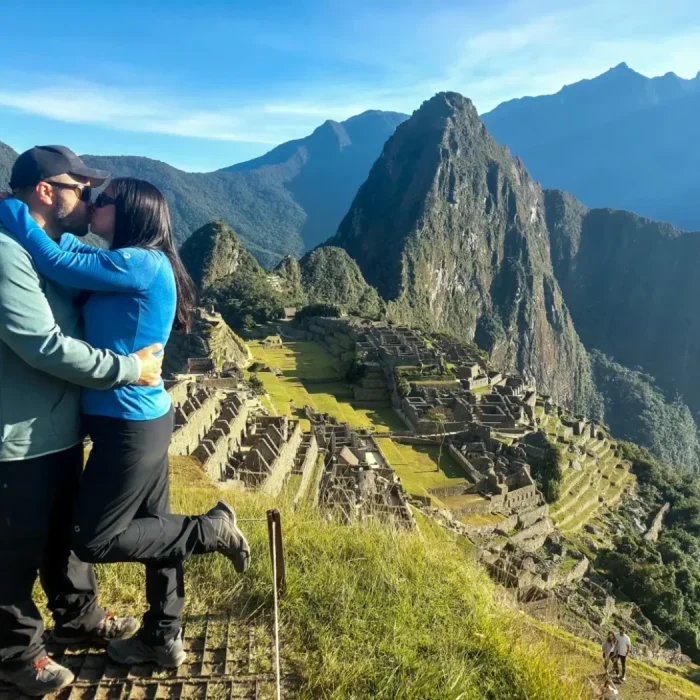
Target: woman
column 139, row 288
column 608, row 649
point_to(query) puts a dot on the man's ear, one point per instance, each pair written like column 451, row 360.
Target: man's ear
column 44, row 192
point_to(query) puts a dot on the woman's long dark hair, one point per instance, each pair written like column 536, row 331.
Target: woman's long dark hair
column 142, row 220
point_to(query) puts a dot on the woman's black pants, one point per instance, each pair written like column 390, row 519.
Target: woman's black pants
column 123, row 515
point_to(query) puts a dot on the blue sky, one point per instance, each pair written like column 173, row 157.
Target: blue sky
column 207, row 84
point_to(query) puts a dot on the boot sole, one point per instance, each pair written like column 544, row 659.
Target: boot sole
column 39, row 692
column 235, row 557
column 139, row 660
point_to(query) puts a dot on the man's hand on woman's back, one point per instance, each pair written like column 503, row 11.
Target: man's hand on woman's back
column 151, row 364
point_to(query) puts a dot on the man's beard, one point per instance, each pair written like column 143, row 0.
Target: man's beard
column 75, row 222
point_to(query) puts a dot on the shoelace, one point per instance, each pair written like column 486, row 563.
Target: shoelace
column 41, row 664
column 109, row 623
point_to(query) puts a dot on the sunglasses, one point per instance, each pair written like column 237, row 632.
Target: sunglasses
column 103, row 200
column 82, row 192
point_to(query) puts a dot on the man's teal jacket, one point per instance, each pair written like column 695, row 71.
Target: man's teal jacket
column 43, row 362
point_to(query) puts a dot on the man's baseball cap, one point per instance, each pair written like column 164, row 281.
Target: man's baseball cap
column 42, row 162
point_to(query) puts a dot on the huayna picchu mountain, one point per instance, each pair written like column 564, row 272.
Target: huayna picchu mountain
column 450, row 228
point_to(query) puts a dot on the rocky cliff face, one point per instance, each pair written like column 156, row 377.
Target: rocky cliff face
column 631, row 285
column 450, row 228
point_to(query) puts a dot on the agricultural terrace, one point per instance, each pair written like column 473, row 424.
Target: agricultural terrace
column 600, row 483
column 310, row 375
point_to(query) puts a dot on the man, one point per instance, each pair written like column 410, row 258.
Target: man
column 623, row 644
column 42, row 365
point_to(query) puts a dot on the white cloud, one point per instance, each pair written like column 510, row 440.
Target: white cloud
column 88, row 103
column 520, row 48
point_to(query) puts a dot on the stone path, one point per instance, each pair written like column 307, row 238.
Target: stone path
column 227, row 659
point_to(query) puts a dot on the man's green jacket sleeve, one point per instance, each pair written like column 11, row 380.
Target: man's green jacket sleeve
column 29, row 329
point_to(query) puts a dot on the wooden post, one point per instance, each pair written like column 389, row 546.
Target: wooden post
column 277, row 549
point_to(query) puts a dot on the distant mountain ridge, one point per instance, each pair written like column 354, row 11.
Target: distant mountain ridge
column 631, row 285
column 282, row 203
column 323, row 171
column 619, row 140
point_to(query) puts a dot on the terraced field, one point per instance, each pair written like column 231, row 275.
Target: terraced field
column 416, row 466
column 310, row 377
column 599, row 485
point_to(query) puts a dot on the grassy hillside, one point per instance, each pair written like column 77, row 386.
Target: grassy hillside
column 372, row 612
column 369, row 612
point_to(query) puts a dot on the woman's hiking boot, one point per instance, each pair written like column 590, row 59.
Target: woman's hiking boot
column 136, row 651
column 230, row 541
column 38, row 677
column 109, row 628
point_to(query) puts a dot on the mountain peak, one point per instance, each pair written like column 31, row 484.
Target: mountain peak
column 444, row 111
column 452, row 101
column 331, row 132
column 621, row 68
column 212, row 253
column 449, row 228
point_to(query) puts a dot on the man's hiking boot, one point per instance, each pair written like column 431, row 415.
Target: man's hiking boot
column 109, row 628
column 230, row 541
column 135, row 651
column 38, row 677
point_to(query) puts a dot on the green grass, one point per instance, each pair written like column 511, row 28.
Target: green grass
column 416, row 466
column 375, row 613
column 310, row 377
column 479, row 519
column 370, row 612
column 481, row 390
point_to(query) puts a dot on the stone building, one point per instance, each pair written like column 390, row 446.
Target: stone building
column 357, row 482
column 268, row 455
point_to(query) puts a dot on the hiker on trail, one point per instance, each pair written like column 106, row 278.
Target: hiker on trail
column 608, row 649
column 43, row 364
column 623, row 645
column 139, row 289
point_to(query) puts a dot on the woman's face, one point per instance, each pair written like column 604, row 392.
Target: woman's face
column 103, row 213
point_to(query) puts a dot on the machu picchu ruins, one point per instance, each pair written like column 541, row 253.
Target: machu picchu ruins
column 492, row 426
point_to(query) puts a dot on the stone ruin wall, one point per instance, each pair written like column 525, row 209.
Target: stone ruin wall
column 308, row 469
column 283, row 464
column 211, row 338
column 652, row 534
column 193, row 419
column 223, row 438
